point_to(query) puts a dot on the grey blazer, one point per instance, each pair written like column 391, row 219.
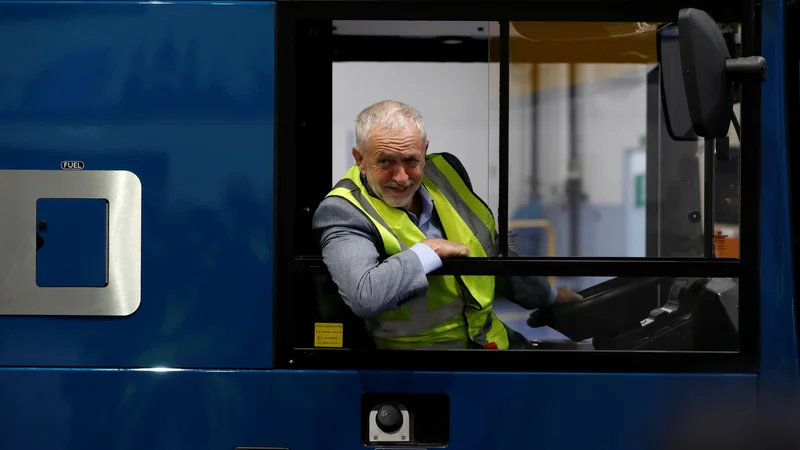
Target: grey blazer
column 370, row 284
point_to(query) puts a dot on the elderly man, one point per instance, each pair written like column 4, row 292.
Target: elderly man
column 392, row 219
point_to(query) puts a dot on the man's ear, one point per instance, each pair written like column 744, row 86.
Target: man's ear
column 359, row 159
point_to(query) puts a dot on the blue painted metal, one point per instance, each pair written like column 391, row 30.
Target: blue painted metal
column 74, row 233
column 779, row 380
column 181, row 95
column 218, row 410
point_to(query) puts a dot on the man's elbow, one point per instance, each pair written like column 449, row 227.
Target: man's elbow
column 367, row 306
column 365, row 312
column 367, row 302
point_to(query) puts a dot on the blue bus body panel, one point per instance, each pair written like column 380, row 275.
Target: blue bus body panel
column 780, row 371
column 182, row 96
column 132, row 410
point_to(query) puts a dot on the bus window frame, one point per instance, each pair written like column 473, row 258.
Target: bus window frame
column 792, row 77
column 303, row 57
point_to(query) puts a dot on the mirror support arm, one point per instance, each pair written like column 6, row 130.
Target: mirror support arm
column 736, row 126
column 750, row 68
column 744, row 70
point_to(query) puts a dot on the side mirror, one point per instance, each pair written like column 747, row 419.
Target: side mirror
column 698, row 76
column 673, row 94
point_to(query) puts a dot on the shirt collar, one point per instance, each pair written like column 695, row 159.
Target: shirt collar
column 427, row 202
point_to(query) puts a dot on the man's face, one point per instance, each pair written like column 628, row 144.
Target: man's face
column 393, row 163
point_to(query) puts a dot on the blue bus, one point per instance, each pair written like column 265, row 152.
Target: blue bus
column 166, row 158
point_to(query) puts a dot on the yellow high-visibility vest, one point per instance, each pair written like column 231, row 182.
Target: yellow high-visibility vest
column 455, row 309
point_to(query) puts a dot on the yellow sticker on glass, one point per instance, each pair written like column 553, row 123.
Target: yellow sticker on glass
column 328, row 334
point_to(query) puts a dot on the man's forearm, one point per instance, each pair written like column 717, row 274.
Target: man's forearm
column 367, row 286
column 532, row 292
column 527, row 291
column 350, row 244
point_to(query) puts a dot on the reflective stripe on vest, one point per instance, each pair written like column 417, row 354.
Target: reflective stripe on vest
column 478, row 226
column 422, row 319
column 455, row 309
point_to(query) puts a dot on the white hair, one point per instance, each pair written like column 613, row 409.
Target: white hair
column 387, row 115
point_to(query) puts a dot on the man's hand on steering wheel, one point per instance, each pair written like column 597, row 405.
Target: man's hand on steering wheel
column 566, row 295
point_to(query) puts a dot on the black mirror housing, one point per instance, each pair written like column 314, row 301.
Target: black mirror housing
column 709, row 74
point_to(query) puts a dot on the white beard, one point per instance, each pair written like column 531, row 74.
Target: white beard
column 395, row 200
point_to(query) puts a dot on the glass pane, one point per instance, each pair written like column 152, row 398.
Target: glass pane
column 441, row 69
column 492, row 168
column 666, row 314
column 593, row 170
column 727, row 208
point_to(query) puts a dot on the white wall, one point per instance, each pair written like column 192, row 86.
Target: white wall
column 452, row 98
column 611, row 118
column 459, row 105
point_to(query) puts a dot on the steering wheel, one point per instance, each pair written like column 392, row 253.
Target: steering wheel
column 607, row 309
